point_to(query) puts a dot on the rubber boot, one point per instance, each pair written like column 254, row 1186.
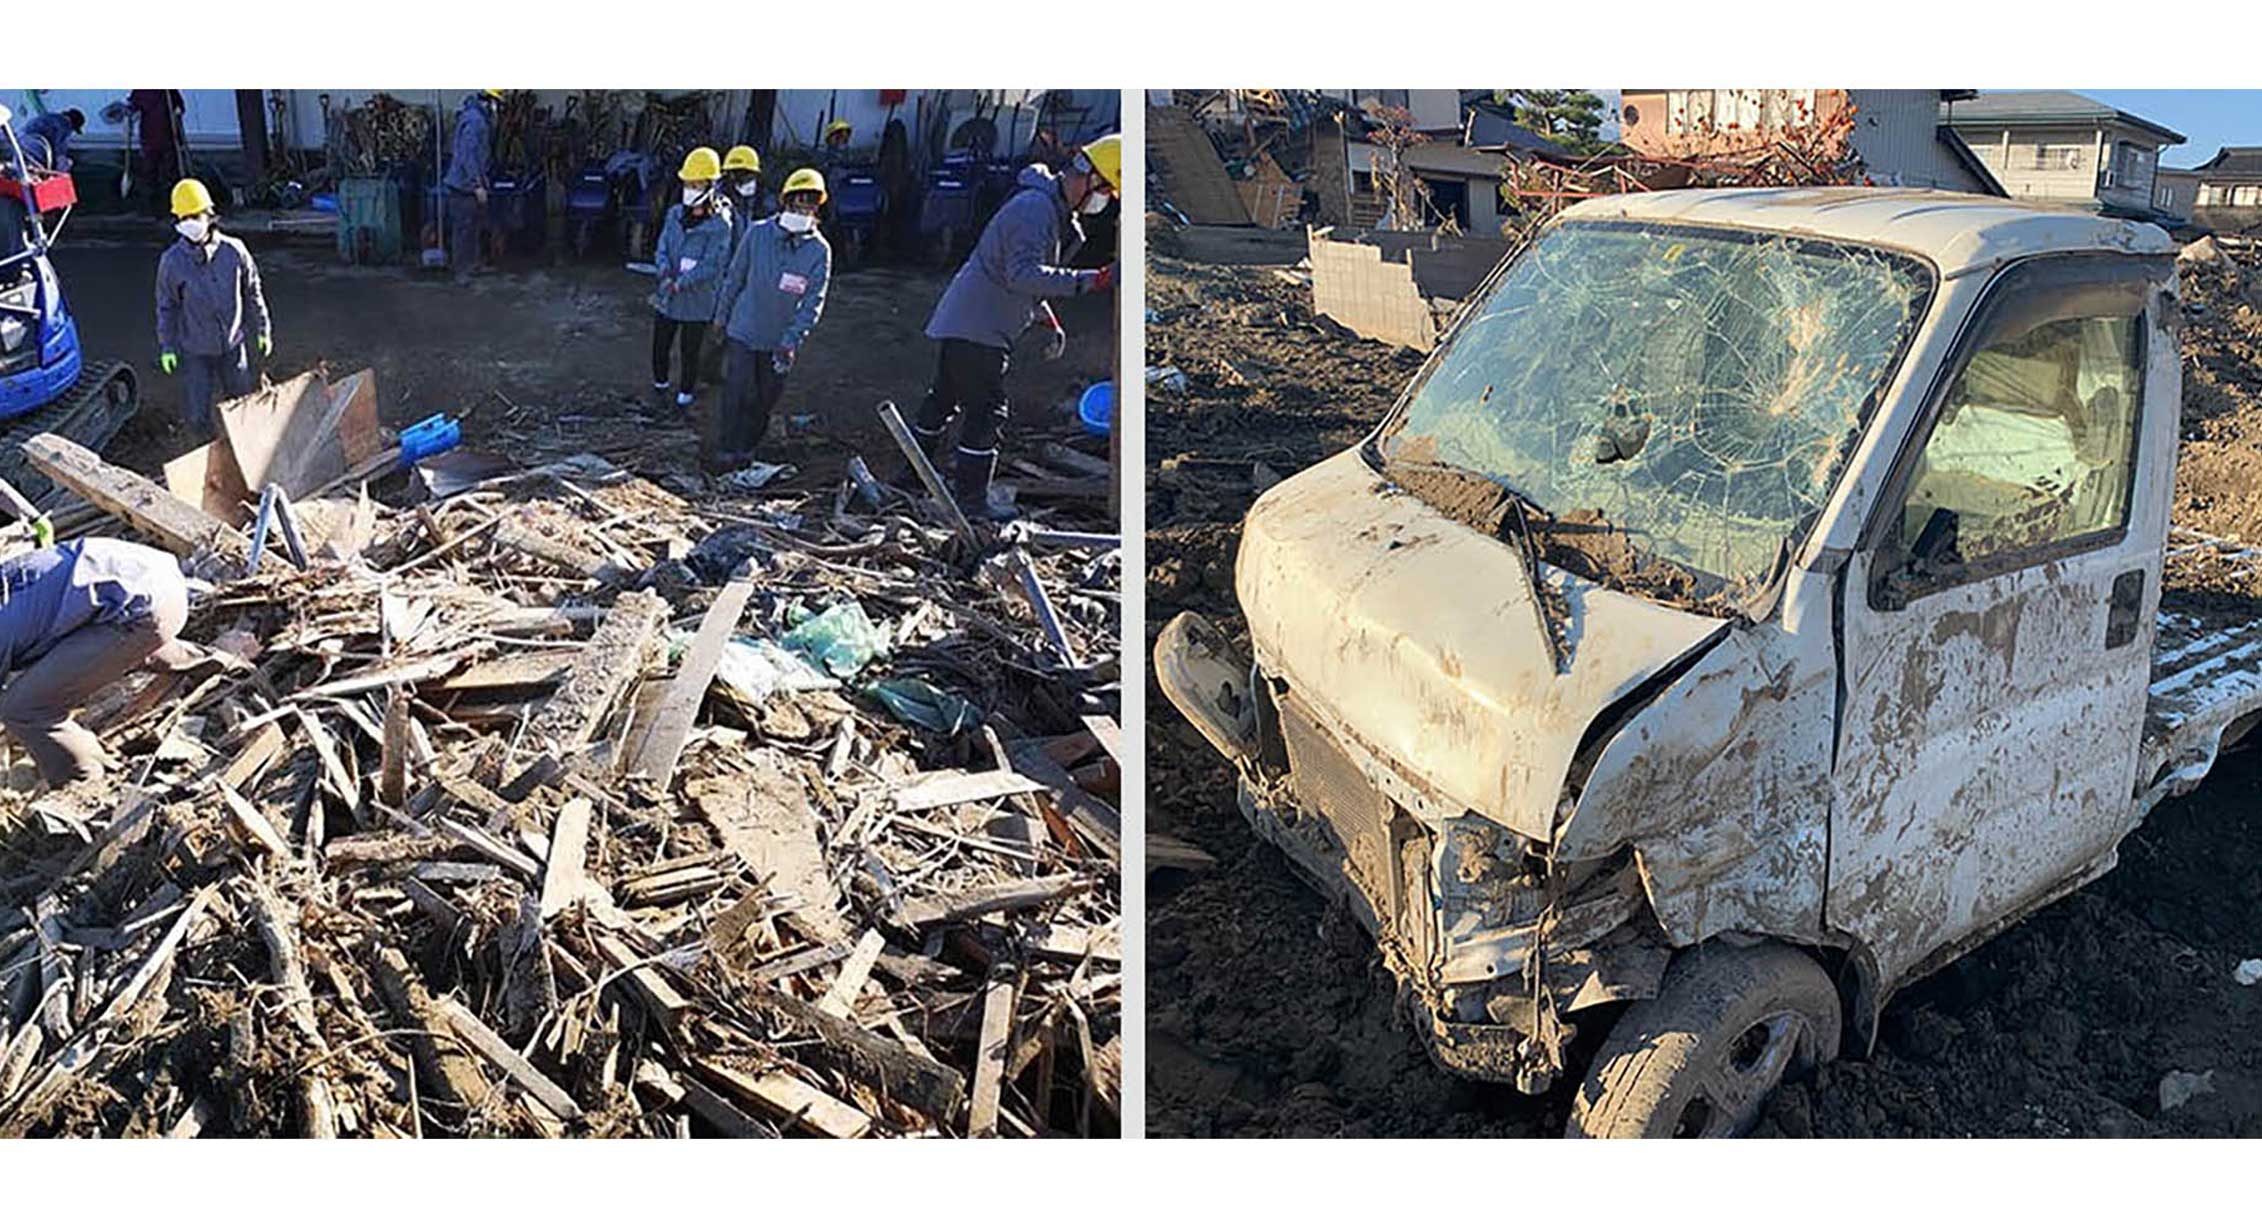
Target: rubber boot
column 970, row 484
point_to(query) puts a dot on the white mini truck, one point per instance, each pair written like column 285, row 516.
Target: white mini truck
column 1752, row 605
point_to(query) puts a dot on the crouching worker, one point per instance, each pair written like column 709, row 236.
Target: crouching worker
column 771, row 300
column 998, row 293
column 693, row 252
column 75, row 618
column 210, row 309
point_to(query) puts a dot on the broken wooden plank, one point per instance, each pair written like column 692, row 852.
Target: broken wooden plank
column 612, row 659
column 520, row 669
column 781, row 1095
column 952, row 787
column 990, row 1052
column 1011, row 896
column 653, row 989
column 840, row 999
column 884, row 1065
column 563, row 879
column 252, row 825
column 497, row 1050
column 527, row 539
column 671, row 724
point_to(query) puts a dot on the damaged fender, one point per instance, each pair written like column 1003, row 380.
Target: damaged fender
column 1721, row 785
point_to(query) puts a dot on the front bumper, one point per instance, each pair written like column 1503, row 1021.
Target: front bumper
column 1490, row 999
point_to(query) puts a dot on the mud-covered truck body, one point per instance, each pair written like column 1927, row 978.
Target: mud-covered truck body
column 1753, row 604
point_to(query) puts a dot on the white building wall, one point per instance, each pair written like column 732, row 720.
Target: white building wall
column 1896, row 132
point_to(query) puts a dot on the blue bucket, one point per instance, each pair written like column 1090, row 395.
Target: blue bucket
column 1096, row 409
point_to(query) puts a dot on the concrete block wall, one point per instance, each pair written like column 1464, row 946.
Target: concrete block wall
column 1356, row 287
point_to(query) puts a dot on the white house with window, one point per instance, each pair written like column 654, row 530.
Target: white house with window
column 2055, row 145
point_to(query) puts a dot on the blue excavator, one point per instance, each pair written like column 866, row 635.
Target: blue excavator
column 46, row 383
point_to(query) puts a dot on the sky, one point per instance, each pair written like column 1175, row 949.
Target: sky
column 2208, row 119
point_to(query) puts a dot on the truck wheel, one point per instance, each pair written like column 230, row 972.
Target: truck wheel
column 1701, row 1058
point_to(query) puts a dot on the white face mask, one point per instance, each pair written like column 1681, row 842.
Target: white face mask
column 693, row 196
column 1096, row 200
column 749, row 188
column 798, row 223
column 193, row 228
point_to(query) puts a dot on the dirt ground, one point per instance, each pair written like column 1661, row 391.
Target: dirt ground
column 556, row 357
column 1271, row 1016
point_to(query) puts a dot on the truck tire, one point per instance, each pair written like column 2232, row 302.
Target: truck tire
column 1700, row 1059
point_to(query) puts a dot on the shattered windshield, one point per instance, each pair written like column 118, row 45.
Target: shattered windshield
column 1690, row 394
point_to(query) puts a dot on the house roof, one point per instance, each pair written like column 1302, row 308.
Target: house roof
column 1967, row 159
column 2047, row 107
column 1442, row 159
column 1490, row 126
column 1959, row 232
column 2233, row 162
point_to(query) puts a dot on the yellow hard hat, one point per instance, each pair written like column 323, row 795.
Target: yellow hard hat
column 190, row 198
column 1106, row 157
column 492, row 93
column 804, row 180
column 700, row 165
column 742, row 158
column 840, row 126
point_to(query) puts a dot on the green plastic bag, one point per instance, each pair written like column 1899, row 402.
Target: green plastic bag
column 925, row 705
column 842, row 639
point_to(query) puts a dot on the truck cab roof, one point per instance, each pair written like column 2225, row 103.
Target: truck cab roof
column 1958, row 233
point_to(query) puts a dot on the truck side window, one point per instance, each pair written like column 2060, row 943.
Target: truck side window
column 2034, row 443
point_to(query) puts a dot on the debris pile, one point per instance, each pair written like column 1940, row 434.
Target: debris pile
column 2219, row 464
column 556, row 803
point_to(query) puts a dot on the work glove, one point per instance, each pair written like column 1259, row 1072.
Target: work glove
column 168, row 362
column 1058, row 344
column 1105, row 280
column 43, row 532
column 782, row 360
column 266, row 346
column 479, row 194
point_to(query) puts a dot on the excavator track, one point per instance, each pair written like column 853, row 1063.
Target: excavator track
column 91, row 413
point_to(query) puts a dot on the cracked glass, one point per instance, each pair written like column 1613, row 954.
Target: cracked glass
column 1695, row 391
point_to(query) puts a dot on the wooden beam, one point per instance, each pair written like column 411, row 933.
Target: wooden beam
column 981, row 901
column 130, row 497
column 780, row 1094
column 671, row 724
column 840, row 999
column 497, row 1050
column 612, row 659
column 951, row 787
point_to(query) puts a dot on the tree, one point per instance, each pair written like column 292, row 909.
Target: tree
column 1570, row 118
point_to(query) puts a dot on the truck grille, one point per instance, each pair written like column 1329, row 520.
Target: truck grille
column 1326, row 779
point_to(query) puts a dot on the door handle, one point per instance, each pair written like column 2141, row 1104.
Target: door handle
column 2126, row 608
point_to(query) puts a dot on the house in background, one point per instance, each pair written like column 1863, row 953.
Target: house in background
column 2229, row 195
column 1896, row 134
column 2056, row 145
column 2175, row 193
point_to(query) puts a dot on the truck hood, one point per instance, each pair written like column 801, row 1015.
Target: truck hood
column 1414, row 635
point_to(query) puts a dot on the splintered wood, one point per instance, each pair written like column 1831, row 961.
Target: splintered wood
column 564, row 805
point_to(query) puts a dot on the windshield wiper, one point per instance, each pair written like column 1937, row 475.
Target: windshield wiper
column 1518, row 511
column 1551, row 628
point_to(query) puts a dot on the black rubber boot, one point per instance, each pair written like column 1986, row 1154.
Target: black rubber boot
column 970, row 484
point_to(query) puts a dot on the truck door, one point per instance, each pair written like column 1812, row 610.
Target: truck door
column 1997, row 616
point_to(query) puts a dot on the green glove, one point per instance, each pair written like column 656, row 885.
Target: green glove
column 266, row 346
column 168, row 362
column 43, row 532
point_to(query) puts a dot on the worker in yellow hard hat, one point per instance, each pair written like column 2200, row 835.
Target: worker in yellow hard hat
column 691, row 258
column 771, row 300
column 742, row 180
column 837, row 134
column 470, row 160
column 210, row 309
column 997, row 295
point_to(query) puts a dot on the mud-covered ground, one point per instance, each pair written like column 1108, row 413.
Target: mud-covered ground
column 556, row 356
column 1268, row 1015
